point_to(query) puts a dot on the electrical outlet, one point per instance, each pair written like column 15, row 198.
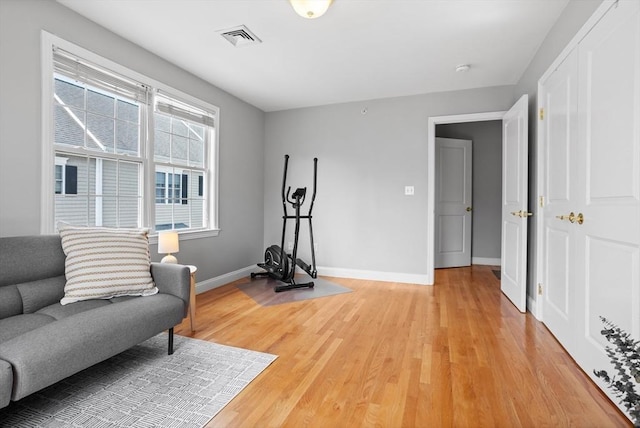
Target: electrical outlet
column 409, row 190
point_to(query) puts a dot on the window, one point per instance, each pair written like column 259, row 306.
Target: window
column 182, row 134
column 97, row 131
column 127, row 151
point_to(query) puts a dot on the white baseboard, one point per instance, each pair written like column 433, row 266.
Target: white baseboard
column 485, row 261
column 210, row 284
column 407, row 278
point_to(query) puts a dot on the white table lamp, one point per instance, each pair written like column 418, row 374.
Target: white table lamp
column 168, row 243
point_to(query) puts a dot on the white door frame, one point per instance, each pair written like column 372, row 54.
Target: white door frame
column 431, row 175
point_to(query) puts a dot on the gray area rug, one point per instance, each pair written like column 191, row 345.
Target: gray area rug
column 261, row 290
column 144, row 387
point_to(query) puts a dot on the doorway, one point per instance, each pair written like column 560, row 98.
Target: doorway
column 483, row 210
column 514, row 209
column 431, row 165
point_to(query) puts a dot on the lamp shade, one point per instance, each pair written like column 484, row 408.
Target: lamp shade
column 168, row 243
column 310, row 9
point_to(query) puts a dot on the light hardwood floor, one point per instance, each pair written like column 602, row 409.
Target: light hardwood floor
column 457, row 354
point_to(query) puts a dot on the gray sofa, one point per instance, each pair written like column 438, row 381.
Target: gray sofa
column 42, row 341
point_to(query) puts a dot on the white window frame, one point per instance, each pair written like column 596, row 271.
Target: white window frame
column 47, row 218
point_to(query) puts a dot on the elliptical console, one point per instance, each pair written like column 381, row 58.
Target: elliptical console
column 277, row 263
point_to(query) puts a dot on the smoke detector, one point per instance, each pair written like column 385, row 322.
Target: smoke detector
column 240, row 36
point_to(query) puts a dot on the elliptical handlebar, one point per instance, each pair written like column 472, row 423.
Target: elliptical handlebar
column 315, row 179
column 284, row 184
column 285, row 193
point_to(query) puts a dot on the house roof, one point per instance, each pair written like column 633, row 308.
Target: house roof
column 359, row 50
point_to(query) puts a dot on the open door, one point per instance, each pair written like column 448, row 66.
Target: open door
column 513, row 281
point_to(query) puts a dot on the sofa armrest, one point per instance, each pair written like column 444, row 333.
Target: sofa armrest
column 173, row 279
column 6, row 383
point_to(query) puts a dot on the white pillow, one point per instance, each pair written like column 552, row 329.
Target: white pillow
column 103, row 263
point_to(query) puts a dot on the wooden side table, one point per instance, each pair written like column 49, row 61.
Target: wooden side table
column 192, row 297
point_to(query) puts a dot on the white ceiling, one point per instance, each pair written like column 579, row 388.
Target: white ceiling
column 359, row 50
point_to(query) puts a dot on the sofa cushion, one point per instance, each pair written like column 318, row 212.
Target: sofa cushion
column 103, row 263
column 18, row 325
column 38, row 294
column 10, row 301
column 59, row 311
column 59, row 349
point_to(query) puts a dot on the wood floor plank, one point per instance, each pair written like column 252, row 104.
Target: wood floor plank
column 457, row 354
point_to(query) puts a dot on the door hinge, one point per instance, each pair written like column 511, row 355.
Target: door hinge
column 541, row 200
column 539, row 289
column 541, row 113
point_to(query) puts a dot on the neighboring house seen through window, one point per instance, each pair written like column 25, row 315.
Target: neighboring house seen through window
column 172, row 188
column 117, row 139
column 66, row 180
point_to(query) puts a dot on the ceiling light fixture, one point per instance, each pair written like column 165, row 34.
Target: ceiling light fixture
column 463, row 68
column 310, row 9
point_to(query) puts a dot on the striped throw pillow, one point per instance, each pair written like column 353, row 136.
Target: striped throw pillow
column 103, row 263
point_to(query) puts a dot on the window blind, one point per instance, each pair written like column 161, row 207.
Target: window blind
column 173, row 107
column 82, row 70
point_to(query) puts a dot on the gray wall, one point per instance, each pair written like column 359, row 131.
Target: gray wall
column 362, row 219
column 241, row 133
column 487, row 182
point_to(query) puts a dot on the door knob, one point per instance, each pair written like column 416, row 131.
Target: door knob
column 521, row 213
column 580, row 218
column 571, row 217
column 469, row 209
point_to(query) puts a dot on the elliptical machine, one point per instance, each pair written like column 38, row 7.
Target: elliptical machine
column 278, row 264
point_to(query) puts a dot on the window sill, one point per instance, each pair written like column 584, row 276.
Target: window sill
column 189, row 234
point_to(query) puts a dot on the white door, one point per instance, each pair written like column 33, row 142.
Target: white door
column 514, row 203
column 453, row 203
column 591, row 220
column 559, row 97
column 607, row 252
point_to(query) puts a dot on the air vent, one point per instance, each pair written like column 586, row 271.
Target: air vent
column 240, row 36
